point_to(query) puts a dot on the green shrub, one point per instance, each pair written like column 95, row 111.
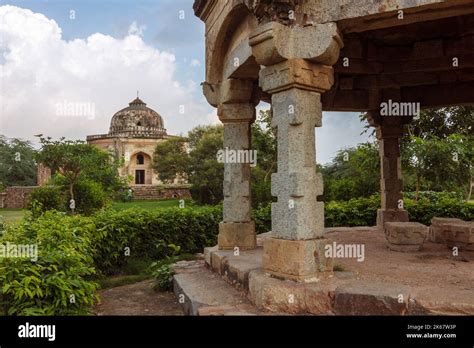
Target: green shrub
column 263, row 218
column 354, row 212
column 57, row 283
column 424, row 210
column 363, row 211
column 46, row 198
column 433, row 196
column 163, row 275
column 89, row 197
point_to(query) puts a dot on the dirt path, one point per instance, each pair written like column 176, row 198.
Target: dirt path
column 137, row 299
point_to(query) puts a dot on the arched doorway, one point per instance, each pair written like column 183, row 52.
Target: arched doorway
column 140, row 168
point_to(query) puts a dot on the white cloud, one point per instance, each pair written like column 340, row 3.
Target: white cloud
column 135, row 29
column 195, row 63
column 40, row 71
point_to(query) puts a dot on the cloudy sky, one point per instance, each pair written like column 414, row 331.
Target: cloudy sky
column 96, row 54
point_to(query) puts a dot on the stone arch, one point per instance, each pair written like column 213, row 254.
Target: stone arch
column 232, row 43
column 141, row 168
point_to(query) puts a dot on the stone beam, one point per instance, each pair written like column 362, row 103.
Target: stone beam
column 460, row 93
column 354, row 16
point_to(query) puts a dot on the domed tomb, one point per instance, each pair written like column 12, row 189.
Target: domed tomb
column 137, row 120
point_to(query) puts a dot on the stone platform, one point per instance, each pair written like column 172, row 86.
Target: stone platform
column 430, row 281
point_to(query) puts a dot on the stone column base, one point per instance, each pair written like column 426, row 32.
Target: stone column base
column 391, row 215
column 237, row 234
column 297, row 260
column 405, row 236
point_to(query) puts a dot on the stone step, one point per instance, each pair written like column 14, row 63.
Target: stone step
column 202, row 292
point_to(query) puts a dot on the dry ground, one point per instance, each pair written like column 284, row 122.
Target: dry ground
column 137, row 299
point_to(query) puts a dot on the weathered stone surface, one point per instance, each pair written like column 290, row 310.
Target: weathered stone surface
column 459, row 234
column 236, row 112
column 188, row 266
column 296, row 73
column 208, row 254
column 438, row 225
column 370, row 299
column 234, row 91
column 300, row 260
column 296, row 215
column 273, row 42
column 391, row 215
column 284, row 296
column 204, row 289
column 405, row 232
column 235, row 266
column 240, row 63
column 237, row 234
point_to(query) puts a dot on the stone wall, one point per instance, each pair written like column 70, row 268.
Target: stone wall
column 44, row 174
column 16, row 197
column 150, row 192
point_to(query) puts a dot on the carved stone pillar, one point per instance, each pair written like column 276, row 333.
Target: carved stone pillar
column 237, row 229
column 296, row 250
column 237, row 112
column 389, row 130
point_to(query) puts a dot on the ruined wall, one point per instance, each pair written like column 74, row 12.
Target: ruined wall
column 16, row 197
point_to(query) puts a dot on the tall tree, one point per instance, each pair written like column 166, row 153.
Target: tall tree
column 354, row 172
column 205, row 173
column 171, row 159
column 17, row 162
column 76, row 160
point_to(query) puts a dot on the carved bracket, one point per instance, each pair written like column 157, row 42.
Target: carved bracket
column 273, row 43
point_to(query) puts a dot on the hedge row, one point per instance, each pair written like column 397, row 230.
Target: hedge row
column 143, row 233
column 363, row 211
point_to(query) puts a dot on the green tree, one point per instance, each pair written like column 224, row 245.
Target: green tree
column 437, row 154
column 205, row 173
column 264, row 141
column 76, row 160
column 438, row 164
column 353, row 173
column 171, row 159
column 17, row 162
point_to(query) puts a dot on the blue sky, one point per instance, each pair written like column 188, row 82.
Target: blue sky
column 102, row 56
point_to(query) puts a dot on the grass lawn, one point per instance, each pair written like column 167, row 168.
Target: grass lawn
column 12, row 216
column 15, row 215
column 151, row 205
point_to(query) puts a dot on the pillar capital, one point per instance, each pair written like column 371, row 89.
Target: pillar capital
column 238, row 112
column 274, row 42
column 229, row 91
column 388, row 126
